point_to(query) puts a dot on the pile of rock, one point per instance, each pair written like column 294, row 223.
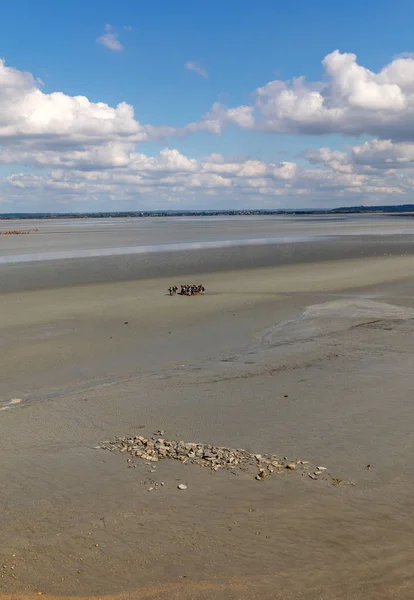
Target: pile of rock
column 205, row 455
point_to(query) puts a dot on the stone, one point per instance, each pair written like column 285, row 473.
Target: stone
column 182, row 486
column 261, row 475
column 216, row 458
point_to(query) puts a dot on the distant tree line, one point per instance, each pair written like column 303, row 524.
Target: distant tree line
column 402, row 208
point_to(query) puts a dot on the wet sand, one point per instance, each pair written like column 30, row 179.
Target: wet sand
column 85, row 251
column 309, row 360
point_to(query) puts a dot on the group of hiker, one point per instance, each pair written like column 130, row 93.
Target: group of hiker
column 187, row 290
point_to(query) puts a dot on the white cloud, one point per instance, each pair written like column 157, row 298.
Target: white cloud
column 374, row 156
column 334, row 159
column 214, row 180
column 110, row 40
column 285, row 170
column 404, row 55
column 352, row 100
column 78, row 151
column 197, row 68
column 29, row 115
column 219, row 116
column 384, row 154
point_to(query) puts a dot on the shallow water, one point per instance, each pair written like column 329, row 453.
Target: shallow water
column 101, row 237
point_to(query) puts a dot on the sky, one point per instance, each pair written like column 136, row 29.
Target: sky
column 134, row 105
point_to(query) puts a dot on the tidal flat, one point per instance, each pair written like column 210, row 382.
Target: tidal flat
column 300, row 349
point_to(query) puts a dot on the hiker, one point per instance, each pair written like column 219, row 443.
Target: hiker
column 187, row 290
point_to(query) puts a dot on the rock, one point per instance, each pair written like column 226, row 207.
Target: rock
column 261, row 475
column 216, row 458
column 182, row 486
column 322, row 468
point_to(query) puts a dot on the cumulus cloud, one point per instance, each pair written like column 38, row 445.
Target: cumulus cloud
column 334, row 159
column 196, row 68
column 351, row 100
column 219, row 117
column 372, row 156
column 384, row 154
column 28, row 114
column 171, row 176
column 69, row 149
column 110, row 40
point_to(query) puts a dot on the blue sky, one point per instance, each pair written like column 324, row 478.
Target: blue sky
column 234, row 48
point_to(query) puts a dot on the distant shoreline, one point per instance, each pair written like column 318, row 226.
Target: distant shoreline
column 406, row 209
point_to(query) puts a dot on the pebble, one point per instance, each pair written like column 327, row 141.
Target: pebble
column 215, row 458
column 182, row 486
column 322, row 468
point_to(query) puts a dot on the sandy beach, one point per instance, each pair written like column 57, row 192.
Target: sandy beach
column 301, row 349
